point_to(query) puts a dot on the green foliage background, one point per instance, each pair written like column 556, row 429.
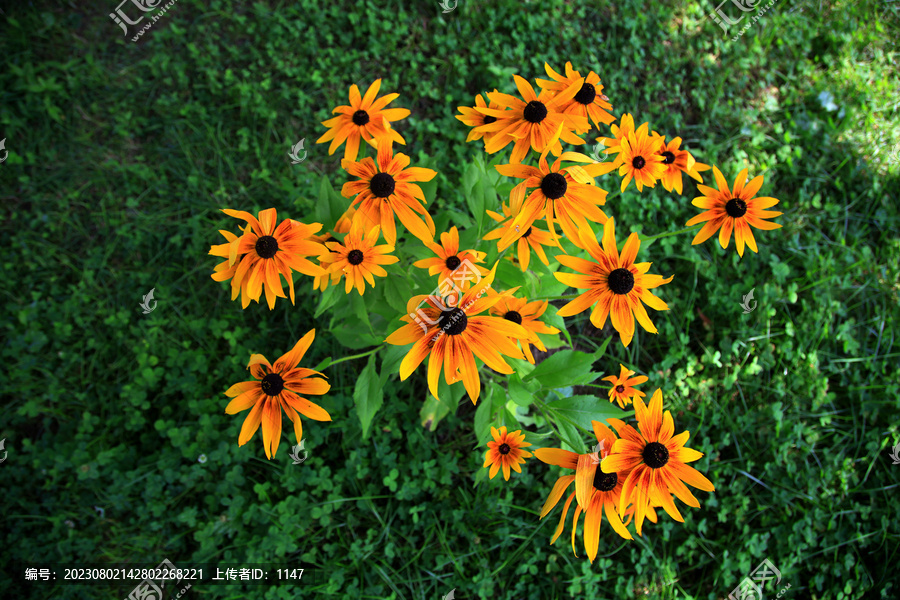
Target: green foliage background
column 121, row 155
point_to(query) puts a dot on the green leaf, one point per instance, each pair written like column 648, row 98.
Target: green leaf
column 391, row 359
column 329, row 297
column 434, row 410
column 323, row 206
column 367, row 395
column 566, row 367
column 350, row 336
column 520, row 394
column 570, row 435
column 484, row 415
column 360, row 309
column 397, row 292
column 581, row 410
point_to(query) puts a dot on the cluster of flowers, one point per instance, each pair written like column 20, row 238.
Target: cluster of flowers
column 625, row 477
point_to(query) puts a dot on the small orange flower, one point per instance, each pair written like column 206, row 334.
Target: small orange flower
column 278, row 387
column 358, row 258
column 678, row 161
column 527, row 314
column 366, row 118
column 622, row 391
column 588, row 102
column 475, row 119
column 506, row 451
column 640, row 159
column 450, row 257
column 734, row 211
column 533, row 238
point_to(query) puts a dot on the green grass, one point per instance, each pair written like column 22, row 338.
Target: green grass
column 121, row 155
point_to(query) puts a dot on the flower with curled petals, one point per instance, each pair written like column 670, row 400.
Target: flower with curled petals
column 657, row 461
column 596, row 492
column 278, row 387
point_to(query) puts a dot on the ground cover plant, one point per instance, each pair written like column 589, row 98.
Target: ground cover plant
column 125, row 432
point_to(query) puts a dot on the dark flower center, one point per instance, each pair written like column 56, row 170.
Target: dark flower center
column 354, row 257
column 266, row 246
column 736, row 208
column 620, row 389
column 655, row 455
column 669, row 157
column 382, row 185
column 272, row 384
column 638, row 162
column 586, row 94
column 620, row 281
column 453, row 321
column 527, row 232
column 605, row 482
column 514, row 317
column 360, row 118
column 503, row 449
column 554, row 186
column 488, row 119
column 535, row 112
column 452, row 262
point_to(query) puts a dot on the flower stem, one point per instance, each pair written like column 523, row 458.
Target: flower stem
column 662, row 235
column 569, row 297
column 340, row 360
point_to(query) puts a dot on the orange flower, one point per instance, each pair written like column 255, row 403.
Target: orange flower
column 588, row 102
column 506, row 451
column 449, row 257
column 733, row 211
column 622, row 391
column 657, row 460
column 527, row 314
column 278, row 387
column 475, row 119
column 358, row 258
column 366, row 118
column 678, row 161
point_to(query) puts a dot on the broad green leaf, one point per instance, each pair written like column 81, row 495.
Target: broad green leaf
column 566, row 367
column 520, row 394
column 391, row 359
column 570, row 435
column 472, row 174
column 329, row 297
column 350, row 335
column 581, row 410
column 323, row 206
column 397, row 292
column 434, row 410
column 367, row 395
column 360, row 309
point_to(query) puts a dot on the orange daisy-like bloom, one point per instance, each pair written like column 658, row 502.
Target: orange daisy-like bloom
column 532, row 238
column 278, row 387
column 264, row 253
column 506, row 451
column 449, row 258
column 733, row 211
column 595, row 492
column 620, row 131
column 678, row 161
column 615, row 283
column 358, row 258
column 589, row 102
column 386, row 188
column 225, row 270
column 527, row 314
column 657, row 461
column 366, row 118
column 343, row 226
column 622, row 391
column 568, row 194
column 640, row 159
column 531, row 122
column 474, row 118
column 450, row 334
